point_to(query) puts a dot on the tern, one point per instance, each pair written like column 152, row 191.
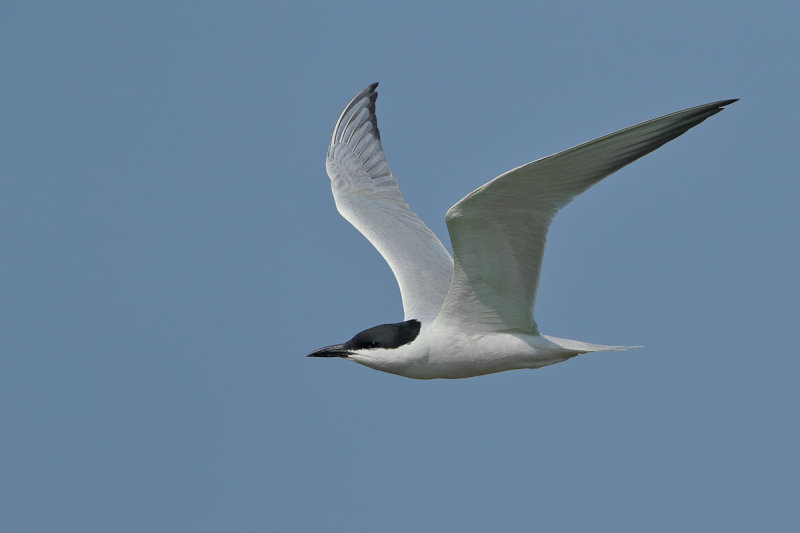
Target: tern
column 471, row 314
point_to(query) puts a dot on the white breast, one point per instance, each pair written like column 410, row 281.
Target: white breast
column 446, row 352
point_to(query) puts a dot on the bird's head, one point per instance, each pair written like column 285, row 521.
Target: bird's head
column 374, row 346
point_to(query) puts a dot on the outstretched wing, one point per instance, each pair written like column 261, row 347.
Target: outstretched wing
column 367, row 196
column 498, row 231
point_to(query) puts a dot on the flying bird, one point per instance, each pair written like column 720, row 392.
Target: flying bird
column 471, row 314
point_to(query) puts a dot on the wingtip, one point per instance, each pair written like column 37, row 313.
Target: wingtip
column 723, row 103
column 371, row 91
column 367, row 91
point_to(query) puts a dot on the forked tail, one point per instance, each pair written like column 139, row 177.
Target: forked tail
column 585, row 347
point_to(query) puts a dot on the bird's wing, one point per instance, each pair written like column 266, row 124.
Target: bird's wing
column 498, row 231
column 367, row 196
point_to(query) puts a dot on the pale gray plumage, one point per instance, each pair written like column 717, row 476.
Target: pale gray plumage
column 474, row 315
column 494, row 283
column 367, row 195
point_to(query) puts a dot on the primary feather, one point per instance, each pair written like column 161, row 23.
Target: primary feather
column 367, row 195
column 498, row 231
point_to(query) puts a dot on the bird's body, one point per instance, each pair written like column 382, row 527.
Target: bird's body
column 450, row 352
column 472, row 314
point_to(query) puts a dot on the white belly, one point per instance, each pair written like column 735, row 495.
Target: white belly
column 442, row 353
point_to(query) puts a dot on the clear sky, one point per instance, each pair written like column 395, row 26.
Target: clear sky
column 171, row 252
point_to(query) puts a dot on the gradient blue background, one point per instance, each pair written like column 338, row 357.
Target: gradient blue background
column 171, row 251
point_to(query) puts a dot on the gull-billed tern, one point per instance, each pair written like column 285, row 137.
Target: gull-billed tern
column 471, row 314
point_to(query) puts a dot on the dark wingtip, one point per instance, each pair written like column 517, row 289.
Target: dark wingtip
column 369, row 90
column 716, row 107
column 719, row 106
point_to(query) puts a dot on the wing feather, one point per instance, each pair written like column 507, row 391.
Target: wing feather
column 367, row 195
column 498, row 231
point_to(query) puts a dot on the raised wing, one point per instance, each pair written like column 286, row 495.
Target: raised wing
column 498, row 231
column 367, row 196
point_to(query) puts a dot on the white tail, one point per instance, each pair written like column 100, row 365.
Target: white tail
column 584, row 347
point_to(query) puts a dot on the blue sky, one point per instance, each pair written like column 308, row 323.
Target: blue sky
column 171, row 251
